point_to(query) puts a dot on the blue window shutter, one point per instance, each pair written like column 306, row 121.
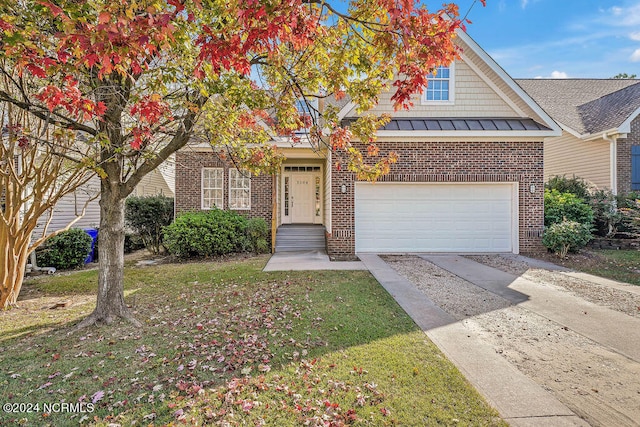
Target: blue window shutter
column 635, row 167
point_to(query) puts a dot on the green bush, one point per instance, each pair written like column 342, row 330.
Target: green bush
column 132, row 242
column 559, row 207
column 68, row 249
column 201, row 234
column 258, row 232
column 566, row 236
column 629, row 206
column 575, row 185
column 147, row 216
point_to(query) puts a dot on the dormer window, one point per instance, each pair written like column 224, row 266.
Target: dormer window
column 440, row 86
column 308, row 110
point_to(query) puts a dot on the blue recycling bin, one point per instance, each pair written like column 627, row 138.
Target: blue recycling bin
column 93, row 233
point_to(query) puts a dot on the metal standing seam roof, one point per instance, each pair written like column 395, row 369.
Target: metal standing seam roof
column 458, row 124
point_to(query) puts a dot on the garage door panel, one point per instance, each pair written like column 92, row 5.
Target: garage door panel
column 423, row 217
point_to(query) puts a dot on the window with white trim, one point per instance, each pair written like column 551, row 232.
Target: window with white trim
column 440, row 86
column 212, row 188
column 239, row 189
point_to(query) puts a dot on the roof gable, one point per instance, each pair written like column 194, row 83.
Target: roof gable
column 483, row 90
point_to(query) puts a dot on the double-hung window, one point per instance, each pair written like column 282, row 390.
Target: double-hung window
column 212, row 188
column 440, row 86
column 239, row 189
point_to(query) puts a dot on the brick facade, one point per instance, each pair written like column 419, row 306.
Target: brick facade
column 624, row 156
column 520, row 162
column 189, row 192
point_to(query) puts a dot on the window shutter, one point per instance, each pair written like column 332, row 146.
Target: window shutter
column 635, row 167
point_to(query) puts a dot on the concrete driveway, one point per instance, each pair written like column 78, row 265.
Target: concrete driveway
column 542, row 353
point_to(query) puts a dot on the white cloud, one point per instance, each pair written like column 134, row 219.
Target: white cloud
column 635, row 56
column 626, row 17
column 635, row 36
column 524, row 3
column 555, row 75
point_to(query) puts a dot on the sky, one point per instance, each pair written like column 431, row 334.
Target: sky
column 557, row 38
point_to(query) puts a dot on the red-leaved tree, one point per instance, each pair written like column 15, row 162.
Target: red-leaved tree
column 140, row 78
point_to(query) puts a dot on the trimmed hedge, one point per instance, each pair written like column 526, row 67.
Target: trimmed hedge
column 203, row 234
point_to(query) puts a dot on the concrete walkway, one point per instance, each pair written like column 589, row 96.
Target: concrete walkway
column 518, row 399
column 308, row 260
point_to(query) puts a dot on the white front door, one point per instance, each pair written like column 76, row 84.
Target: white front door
column 302, row 198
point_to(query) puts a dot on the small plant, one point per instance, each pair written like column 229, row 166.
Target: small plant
column 559, row 207
column 566, row 236
column 66, row 250
column 203, row 234
column 607, row 216
column 147, row 216
column 258, row 232
column 575, row 185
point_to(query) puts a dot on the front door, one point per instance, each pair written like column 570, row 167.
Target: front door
column 302, row 198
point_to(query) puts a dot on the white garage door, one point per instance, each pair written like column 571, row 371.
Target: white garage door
column 398, row 217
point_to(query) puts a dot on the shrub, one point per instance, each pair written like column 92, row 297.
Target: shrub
column 629, row 207
column 575, row 185
column 132, row 242
column 566, row 236
column 258, row 232
column 606, row 215
column 146, row 216
column 559, row 207
column 215, row 232
column 68, row 249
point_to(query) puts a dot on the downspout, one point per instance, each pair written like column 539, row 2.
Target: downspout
column 613, row 158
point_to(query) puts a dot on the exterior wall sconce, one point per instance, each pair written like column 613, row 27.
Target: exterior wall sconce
column 343, row 189
column 532, row 188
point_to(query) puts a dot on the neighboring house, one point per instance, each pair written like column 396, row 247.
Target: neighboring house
column 600, row 139
column 159, row 181
column 469, row 176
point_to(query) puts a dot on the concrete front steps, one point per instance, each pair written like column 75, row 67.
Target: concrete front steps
column 300, row 237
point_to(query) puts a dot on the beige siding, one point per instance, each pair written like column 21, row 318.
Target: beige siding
column 473, row 98
column 153, row 184
column 70, row 207
column 568, row 155
column 327, row 193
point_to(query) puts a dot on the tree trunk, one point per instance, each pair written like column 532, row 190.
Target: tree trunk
column 12, row 267
column 110, row 302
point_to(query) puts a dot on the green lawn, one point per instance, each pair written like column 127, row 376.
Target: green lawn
column 224, row 343
column 622, row 265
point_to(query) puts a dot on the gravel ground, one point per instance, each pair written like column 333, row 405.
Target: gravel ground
column 597, row 383
column 615, row 299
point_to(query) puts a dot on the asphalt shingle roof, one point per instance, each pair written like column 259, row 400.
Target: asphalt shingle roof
column 585, row 105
